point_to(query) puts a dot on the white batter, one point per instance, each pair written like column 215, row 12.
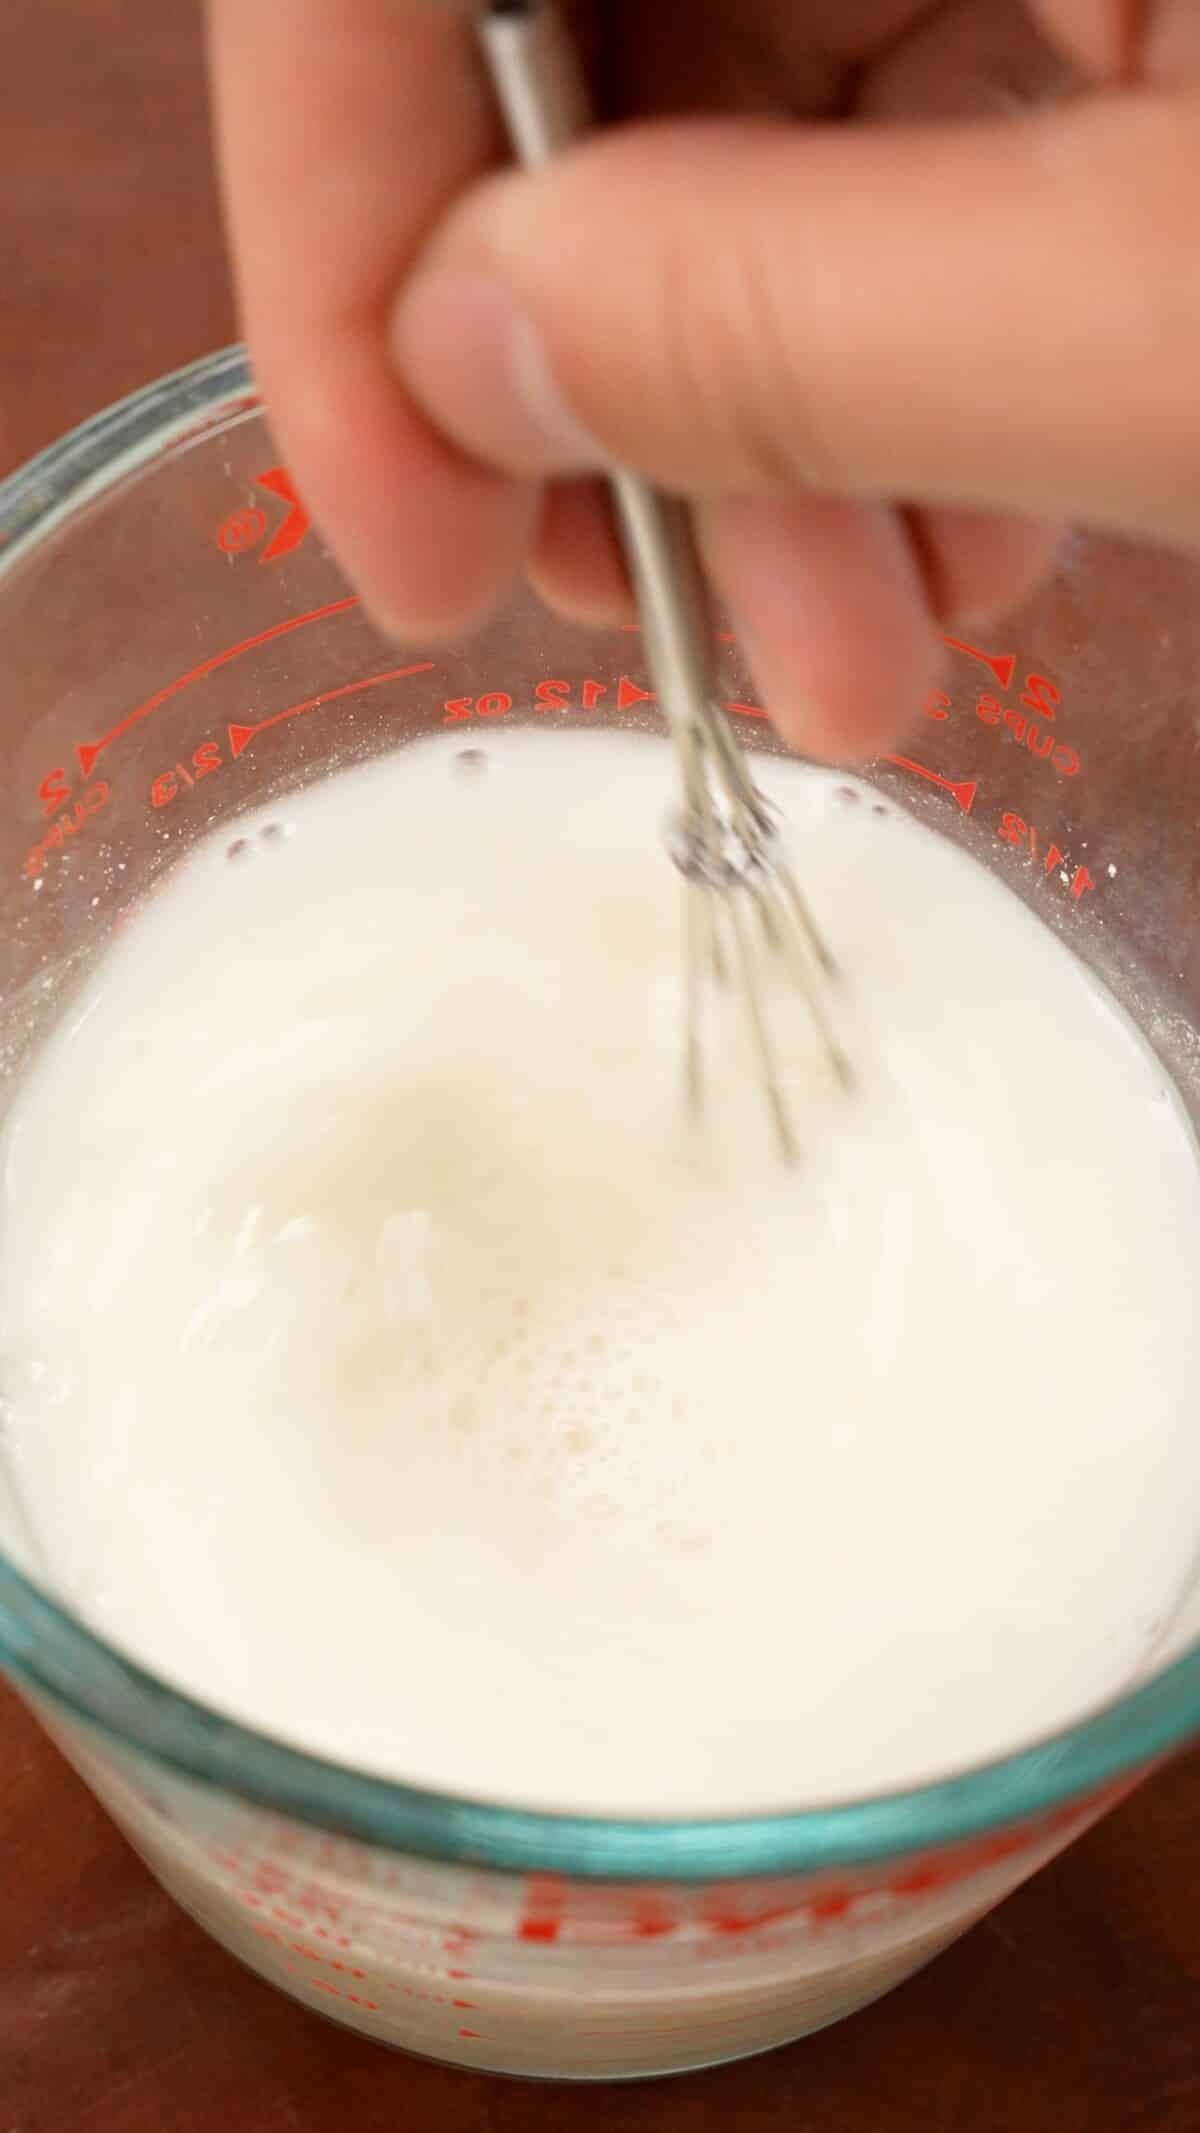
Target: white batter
column 389, row 1365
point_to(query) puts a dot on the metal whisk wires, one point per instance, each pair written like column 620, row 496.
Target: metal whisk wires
column 741, row 895
column 726, row 846
column 744, row 905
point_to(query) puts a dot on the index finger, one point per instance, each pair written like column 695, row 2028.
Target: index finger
column 345, row 127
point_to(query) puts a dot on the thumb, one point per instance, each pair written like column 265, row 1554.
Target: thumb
column 988, row 315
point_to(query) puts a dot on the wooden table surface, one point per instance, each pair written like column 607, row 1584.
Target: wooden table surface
column 1077, row 2006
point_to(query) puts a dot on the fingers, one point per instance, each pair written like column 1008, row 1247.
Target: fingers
column 839, row 606
column 577, row 565
column 345, row 127
column 977, row 563
column 996, row 350
column 832, row 615
column 1101, row 34
column 994, row 322
column 995, row 316
column 1127, row 40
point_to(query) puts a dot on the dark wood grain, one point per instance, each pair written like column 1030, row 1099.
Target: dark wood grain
column 1075, row 2009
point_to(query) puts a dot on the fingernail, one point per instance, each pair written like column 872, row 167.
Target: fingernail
column 477, row 365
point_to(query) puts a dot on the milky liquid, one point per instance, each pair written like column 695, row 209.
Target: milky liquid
column 390, row 1363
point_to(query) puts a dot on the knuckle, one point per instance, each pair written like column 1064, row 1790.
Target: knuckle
column 745, row 362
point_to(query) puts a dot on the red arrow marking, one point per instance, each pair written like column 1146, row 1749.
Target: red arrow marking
column 628, row 694
column 240, row 737
column 297, row 522
column 735, row 1921
column 1002, row 666
column 964, row 794
column 88, row 751
column 745, row 710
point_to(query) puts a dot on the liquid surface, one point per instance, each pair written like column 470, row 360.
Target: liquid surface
column 389, row 1362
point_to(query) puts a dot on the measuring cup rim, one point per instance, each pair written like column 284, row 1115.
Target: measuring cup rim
column 55, row 1656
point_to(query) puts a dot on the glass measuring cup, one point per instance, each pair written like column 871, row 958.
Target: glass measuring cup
column 179, row 647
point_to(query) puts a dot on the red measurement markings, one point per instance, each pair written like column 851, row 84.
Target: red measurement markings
column 1027, row 732
column 311, row 1955
column 553, row 695
column 493, row 704
column 434, row 1999
column 311, row 1898
column 650, row 1917
column 53, row 791
column 964, row 792
column 1076, row 880
column 320, row 1984
column 290, row 534
column 65, row 826
column 735, row 1910
column 722, row 1914
column 271, row 1880
column 741, row 1909
column 240, row 737
column 1003, row 665
column 558, row 694
column 542, row 1912
column 940, row 1870
column 208, row 757
column 89, row 751
column 258, row 1902
column 244, row 529
column 1039, row 696
column 169, row 783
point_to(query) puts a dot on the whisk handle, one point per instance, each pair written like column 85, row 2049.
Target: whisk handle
column 543, row 98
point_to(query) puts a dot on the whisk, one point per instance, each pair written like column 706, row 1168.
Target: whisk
column 725, row 837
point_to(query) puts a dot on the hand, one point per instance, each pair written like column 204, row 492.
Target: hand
column 887, row 347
